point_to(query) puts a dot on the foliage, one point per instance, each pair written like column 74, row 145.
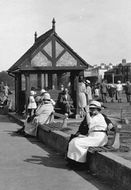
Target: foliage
column 7, row 79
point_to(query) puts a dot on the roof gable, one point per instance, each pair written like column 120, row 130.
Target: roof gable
column 49, row 52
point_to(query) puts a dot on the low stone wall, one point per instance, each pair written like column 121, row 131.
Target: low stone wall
column 104, row 164
column 110, row 166
column 56, row 139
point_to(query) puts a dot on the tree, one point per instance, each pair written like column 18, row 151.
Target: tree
column 7, row 79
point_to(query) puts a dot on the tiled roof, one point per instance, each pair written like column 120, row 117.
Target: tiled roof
column 38, row 42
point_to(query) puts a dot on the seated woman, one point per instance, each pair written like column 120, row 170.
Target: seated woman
column 42, row 116
column 97, row 135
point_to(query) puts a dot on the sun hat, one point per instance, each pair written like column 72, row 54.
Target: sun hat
column 42, row 91
column 87, row 81
column 46, row 97
column 95, row 104
column 32, row 93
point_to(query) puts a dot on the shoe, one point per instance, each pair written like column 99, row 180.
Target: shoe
column 19, row 131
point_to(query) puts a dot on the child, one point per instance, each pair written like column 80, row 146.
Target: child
column 32, row 104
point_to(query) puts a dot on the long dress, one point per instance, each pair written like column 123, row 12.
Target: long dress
column 43, row 112
column 89, row 94
column 32, row 103
column 82, row 101
column 78, row 147
column 119, row 89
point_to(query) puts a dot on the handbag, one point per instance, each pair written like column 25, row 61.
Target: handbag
column 30, row 118
column 83, row 128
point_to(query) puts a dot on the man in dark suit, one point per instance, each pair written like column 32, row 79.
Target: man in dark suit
column 65, row 102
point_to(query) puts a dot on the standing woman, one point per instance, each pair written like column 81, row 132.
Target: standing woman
column 82, row 100
column 119, row 90
column 88, row 91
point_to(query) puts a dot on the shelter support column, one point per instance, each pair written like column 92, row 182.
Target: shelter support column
column 44, row 80
column 39, row 82
column 17, row 92
column 59, row 80
column 50, row 81
column 27, row 89
column 113, row 78
column 76, row 92
column 54, row 77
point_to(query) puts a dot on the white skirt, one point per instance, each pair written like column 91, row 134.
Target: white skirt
column 82, row 102
column 78, row 146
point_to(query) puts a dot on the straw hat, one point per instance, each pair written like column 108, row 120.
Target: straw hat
column 46, row 97
column 95, row 104
column 42, row 91
column 87, row 81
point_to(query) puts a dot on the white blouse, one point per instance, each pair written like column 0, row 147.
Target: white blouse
column 97, row 122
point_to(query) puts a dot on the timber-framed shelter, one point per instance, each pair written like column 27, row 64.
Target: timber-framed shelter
column 43, row 66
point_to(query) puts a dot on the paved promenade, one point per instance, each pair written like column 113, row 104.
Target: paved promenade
column 29, row 164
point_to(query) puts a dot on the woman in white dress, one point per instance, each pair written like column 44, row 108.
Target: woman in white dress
column 78, row 147
column 82, row 100
column 119, row 89
column 88, row 91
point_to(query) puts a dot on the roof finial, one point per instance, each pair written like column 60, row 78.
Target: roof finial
column 35, row 36
column 53, row 24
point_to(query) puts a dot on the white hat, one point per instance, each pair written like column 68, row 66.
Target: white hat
column 42, row 91
column 87, row 81
column 118, row 81
column 95, row 104
column 46, row 97
column 32, row 93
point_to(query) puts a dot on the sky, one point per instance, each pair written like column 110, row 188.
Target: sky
column 98, row 30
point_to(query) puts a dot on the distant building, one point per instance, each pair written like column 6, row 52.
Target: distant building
column 120, row 72
column 97, row 73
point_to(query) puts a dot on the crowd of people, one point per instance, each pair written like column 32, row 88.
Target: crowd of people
column 87, row 92
column 94, row 126
column 103, row 91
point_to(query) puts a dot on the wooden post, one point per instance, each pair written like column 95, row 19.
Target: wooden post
column 76, row 87
column 50, row 81
column 113, row 78
column 27, row 89
column 17, row 92
column 39, row 83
